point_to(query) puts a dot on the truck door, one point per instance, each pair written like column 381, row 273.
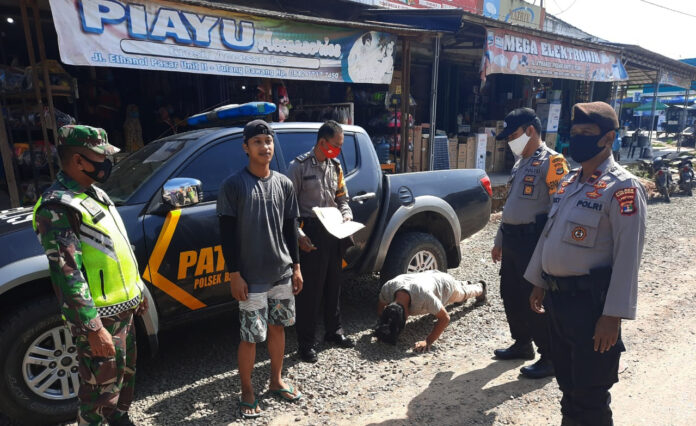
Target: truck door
column 362, row 178
column 187, row 262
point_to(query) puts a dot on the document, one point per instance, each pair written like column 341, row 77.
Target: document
column 332, row 219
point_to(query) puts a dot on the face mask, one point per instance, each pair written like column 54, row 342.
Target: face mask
column 331, row 152
column 104, row 167
column 584, row 147
column 517, row 145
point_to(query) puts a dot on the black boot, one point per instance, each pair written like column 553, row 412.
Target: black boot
column 516, row 351
column 538, row 370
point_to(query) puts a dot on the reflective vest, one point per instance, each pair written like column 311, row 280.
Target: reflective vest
column 108, row 262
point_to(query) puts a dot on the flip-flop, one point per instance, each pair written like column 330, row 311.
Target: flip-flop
column 291, row 390
column 253, row 406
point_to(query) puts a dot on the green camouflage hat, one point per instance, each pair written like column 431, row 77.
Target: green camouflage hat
column 90, row 137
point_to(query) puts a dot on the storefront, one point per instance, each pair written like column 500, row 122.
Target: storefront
column 140, row 70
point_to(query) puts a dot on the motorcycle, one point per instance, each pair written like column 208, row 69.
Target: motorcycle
column 663, row 177
column 686, row 173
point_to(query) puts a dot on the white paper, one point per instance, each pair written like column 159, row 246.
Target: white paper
column 332, row 219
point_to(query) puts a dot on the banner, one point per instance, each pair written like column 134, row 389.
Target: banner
column 509, row 52
column 466, row 5
column 672, row 79
column 167, row 36
column 516, row 12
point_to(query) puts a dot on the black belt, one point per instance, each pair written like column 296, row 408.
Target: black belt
column 569, row 284
column 524, row 229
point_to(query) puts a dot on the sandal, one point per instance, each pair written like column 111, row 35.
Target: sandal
column 253, row 406
column 282, row 392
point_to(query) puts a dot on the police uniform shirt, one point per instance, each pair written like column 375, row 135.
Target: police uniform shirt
column 532, row 182
column 319, row 184
column 597, row 223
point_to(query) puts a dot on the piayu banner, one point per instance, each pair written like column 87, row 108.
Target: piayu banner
column 168, row 36
column 509, row 52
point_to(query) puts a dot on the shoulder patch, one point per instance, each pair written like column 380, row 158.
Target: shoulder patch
column 627, row 200
column 622, row 174
column 303, row 157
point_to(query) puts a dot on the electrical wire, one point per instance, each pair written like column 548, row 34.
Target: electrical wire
column 668, row 8
column 564, row 10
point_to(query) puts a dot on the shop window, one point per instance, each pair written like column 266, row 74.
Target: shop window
column 215, row 164
column 294, row 144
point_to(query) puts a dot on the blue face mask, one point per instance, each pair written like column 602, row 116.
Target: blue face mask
column 584, row 147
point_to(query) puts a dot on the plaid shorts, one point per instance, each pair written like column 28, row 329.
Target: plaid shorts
column 274, row 307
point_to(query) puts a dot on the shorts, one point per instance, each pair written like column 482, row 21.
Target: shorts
column 274, row 307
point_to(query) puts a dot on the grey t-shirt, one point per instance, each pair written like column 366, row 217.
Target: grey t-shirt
column 430, row 291
column 261, row 205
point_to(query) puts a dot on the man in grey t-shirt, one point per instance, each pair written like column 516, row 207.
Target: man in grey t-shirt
column 421, row 294
column 257, row 211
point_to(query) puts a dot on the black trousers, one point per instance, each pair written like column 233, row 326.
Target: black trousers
column 584, row 376
column 525, row 324
column 321, row 271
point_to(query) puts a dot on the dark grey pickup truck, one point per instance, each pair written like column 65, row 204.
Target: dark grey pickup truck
column 413, row 221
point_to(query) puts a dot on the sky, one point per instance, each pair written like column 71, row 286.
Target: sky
column 672, row 34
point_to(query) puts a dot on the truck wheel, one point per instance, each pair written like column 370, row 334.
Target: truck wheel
column 413, row 252
column 39, row 362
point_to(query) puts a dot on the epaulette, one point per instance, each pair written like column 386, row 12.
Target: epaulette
column 621, row 173
column 303, row 157
column 59, row 196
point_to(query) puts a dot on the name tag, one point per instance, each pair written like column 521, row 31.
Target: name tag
column 93, row 209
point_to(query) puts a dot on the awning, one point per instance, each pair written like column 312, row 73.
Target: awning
column 218, row 38
column 648, row 107
column 644, row 67
column 443, row 20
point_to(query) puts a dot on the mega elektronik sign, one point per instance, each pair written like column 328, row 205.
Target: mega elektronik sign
column 161, row 35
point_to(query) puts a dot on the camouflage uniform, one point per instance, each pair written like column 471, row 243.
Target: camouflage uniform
column 106, row 384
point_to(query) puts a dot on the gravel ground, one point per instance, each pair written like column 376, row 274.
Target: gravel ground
column 194, row 378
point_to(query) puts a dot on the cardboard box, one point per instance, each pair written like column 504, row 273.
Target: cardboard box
column 425, row 153
column 453, row 145
column 481, row 142
column 461, row 156
column 489, row 131
column 471, row 142
column 551, row 140
column 417, row 145
column 490, row 152
column 499, row 157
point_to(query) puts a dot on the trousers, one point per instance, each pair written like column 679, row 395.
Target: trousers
column 107, row 384
column 583, row 375
column 525, row 325
column 321, row 271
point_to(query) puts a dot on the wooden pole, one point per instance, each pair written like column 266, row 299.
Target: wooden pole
column 7, row 162
column 405, row 101
column 47, row 82
column 37, row 90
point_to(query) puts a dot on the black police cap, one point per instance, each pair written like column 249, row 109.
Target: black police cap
column 515, row 119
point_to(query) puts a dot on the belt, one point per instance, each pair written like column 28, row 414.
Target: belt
column 524, row 229
column 310, row 220
column 568, row 284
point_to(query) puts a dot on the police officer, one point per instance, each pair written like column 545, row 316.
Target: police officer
column 318, row 181
column 534, row 179
column 585, row 267
column 94, row 274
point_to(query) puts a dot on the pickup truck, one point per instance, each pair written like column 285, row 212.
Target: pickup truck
column 413, row 222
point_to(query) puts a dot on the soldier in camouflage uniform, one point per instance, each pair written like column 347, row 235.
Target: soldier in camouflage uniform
column 94, row 274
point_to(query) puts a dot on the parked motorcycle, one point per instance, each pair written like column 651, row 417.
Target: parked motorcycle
column 686, row 173
column 663, row 177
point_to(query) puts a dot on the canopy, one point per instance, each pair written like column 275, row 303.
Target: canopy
column 648, row 107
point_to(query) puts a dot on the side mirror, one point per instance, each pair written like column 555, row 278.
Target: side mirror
column 182, row 192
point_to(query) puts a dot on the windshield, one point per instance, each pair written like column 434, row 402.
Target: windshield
column 129, row 174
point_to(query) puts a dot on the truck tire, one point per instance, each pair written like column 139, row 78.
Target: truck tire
column 413, row 252
column 36, row 346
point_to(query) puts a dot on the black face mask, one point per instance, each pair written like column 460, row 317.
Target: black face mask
column 584, row 147
column 104, row 166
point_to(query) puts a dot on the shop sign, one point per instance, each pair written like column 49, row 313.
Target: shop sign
column 509, row 52
column 167, row 36
column 515, row 12
column 672, row 79
column 467, row 5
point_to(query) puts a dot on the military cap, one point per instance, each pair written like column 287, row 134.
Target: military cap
column 90, row 137
column 599, row 113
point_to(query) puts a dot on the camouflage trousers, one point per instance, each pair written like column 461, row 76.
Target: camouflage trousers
column 107, row 384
